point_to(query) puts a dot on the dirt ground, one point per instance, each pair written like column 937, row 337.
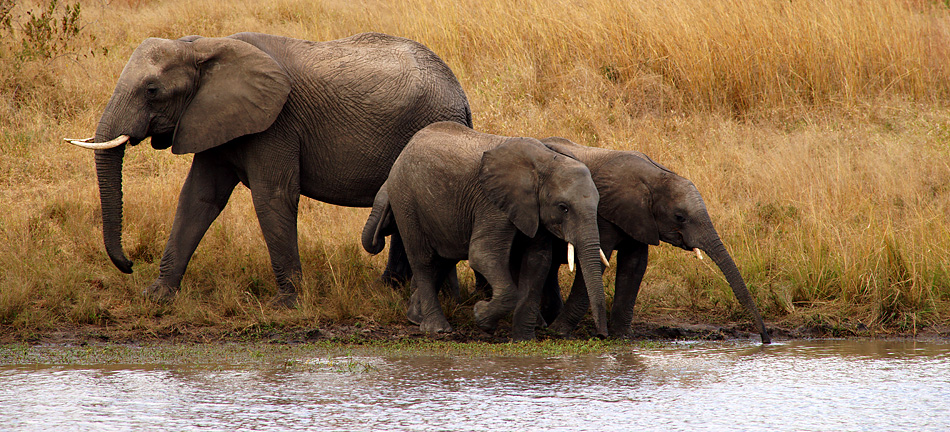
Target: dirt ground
column 655, row 328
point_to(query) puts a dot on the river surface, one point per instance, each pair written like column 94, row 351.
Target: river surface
column 703, row 386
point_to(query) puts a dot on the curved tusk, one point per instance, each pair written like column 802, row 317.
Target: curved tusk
column 699, row 253
column 603, row 258
column 570, row 257
column 86, row 143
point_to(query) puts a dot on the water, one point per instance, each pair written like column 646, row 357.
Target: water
column 793, row 386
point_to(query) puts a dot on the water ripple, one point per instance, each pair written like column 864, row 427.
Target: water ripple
column 794, row 386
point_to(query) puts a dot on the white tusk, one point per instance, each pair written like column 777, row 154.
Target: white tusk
column 603, row 258
column 699, row 253
column 570, row 257
column 85, row 143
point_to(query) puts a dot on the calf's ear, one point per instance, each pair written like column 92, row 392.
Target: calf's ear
column 626, row 202
column 509, row 176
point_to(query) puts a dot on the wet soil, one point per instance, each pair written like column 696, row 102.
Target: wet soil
column 666, row 328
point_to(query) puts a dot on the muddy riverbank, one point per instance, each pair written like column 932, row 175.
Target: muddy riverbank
column 357, row 332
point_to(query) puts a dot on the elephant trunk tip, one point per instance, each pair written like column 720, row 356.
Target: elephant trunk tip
column 121, row 262
column 717, row 251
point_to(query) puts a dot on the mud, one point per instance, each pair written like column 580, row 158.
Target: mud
column 356, row 332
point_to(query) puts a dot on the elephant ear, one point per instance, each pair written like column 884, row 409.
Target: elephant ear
column 561, row 145
column 240, row 91
column 509, row 177
column 626, row 200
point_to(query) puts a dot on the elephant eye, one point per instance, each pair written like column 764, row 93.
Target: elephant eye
column 151, row 91
column 563, row 207
column 680, row 219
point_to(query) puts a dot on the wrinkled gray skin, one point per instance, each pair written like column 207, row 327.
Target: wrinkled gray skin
column 641, row 203
column 499, row 202
column 285, row 117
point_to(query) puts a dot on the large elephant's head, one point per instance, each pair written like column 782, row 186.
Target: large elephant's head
column 536, row 187
column 189, row 94
column 650, row 203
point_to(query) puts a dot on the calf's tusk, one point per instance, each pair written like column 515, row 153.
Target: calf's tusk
column 570, row 257
column 603, row 258
column 699, row 253
column 86, row 143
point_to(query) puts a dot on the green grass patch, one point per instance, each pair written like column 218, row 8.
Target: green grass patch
column 329, row 353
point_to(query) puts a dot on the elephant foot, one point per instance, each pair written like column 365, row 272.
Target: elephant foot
column 160, row 293
column 620, row 336
column 482, row 319
column 561, row 327
column 522, row 335
column 543, row 323
column 284, row 300
column 436, row 324
column 550, row 311
column 414, row 313
column 619, row 333
column 525, row 331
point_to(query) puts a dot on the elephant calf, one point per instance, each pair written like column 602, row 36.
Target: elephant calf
column 642, row 203
column 499, row 202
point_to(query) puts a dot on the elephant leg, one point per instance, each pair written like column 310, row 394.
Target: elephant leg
column 203, row 196
column 445, row 281
column 576, row 305
column 535, row 263
column 398, row 271
column 492, row 263
column 482, row 286
column 574, row 309
column 424, row 306
column 551, row 302
column 632, row 260
column 451, row 284
column 276, row 202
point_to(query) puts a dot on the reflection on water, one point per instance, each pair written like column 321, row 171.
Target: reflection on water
column 799, row 385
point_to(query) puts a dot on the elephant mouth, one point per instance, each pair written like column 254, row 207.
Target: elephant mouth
column 161, row 141
column 674, row 238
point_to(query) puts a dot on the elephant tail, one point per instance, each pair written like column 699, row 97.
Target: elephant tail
column 468, row 116
column 379, row 224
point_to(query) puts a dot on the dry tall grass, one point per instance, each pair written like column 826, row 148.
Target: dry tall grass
column 817, row 131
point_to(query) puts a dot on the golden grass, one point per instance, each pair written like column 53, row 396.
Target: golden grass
column 817, row 131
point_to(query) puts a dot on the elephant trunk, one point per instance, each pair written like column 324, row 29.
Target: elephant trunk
column 717, row 251
column 590, row 263
column 109, row 174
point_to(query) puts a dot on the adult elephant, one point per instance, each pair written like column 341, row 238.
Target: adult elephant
column 498, row 202
column 285, row 117
column 641, row 204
